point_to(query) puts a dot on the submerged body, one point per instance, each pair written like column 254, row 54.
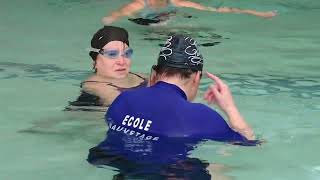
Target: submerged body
column 135, row 157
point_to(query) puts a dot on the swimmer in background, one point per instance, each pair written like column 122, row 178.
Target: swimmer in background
column 111, row 55
column 146, row 12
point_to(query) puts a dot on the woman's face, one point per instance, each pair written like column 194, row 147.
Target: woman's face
column 115, row 62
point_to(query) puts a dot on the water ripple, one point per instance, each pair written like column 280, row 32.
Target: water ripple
column 47, row 72
column 257, row 85
column 241, row 84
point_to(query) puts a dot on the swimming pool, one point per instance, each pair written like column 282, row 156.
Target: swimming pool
column 272, row 66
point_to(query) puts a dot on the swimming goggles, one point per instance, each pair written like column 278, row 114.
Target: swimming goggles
column 114, row 54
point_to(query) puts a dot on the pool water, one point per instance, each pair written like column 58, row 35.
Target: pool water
column 271, row 65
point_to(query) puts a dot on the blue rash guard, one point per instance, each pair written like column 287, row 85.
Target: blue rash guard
column 163, row 111
column 153, row 129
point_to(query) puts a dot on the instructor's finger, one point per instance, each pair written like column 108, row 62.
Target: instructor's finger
column 217, row 80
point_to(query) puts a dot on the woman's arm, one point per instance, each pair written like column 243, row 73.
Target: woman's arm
column 126, row 10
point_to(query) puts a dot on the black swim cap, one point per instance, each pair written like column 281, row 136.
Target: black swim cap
column 181, row 52
column 105, row 35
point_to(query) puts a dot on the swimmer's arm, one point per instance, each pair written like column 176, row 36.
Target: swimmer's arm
column 190, row 4
column 265, row 14
column 126, row 10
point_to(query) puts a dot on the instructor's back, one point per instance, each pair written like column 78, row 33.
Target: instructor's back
column 165, row 109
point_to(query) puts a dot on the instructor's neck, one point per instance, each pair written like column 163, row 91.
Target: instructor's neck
column 182, row 84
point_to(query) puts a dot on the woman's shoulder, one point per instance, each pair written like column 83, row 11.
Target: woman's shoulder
column 94, row 83
column 91, row 78
column 140, row 75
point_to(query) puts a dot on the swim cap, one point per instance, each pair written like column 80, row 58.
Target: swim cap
column 105, row 35
column 181, row 52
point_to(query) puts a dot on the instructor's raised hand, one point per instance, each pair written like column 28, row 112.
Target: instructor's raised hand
column 219, row 94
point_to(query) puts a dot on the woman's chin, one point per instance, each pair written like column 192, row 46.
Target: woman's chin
column 121, row 74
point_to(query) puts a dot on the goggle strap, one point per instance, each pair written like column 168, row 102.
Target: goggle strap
column 95, row 50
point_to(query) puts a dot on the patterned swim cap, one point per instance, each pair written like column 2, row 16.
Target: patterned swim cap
column 181, row 52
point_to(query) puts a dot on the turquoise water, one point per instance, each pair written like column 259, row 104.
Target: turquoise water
column 272, row 67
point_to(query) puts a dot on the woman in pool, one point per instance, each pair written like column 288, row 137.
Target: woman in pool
column 148, row 12
column 111, row 57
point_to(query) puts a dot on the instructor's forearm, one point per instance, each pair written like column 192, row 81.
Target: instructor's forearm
column 238, row 123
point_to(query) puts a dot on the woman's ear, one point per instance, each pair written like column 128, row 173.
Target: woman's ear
column 94, row 64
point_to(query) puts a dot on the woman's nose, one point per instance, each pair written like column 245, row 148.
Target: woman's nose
column 121, row 60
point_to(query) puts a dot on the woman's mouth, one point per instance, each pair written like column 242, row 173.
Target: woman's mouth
column 121, row 69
